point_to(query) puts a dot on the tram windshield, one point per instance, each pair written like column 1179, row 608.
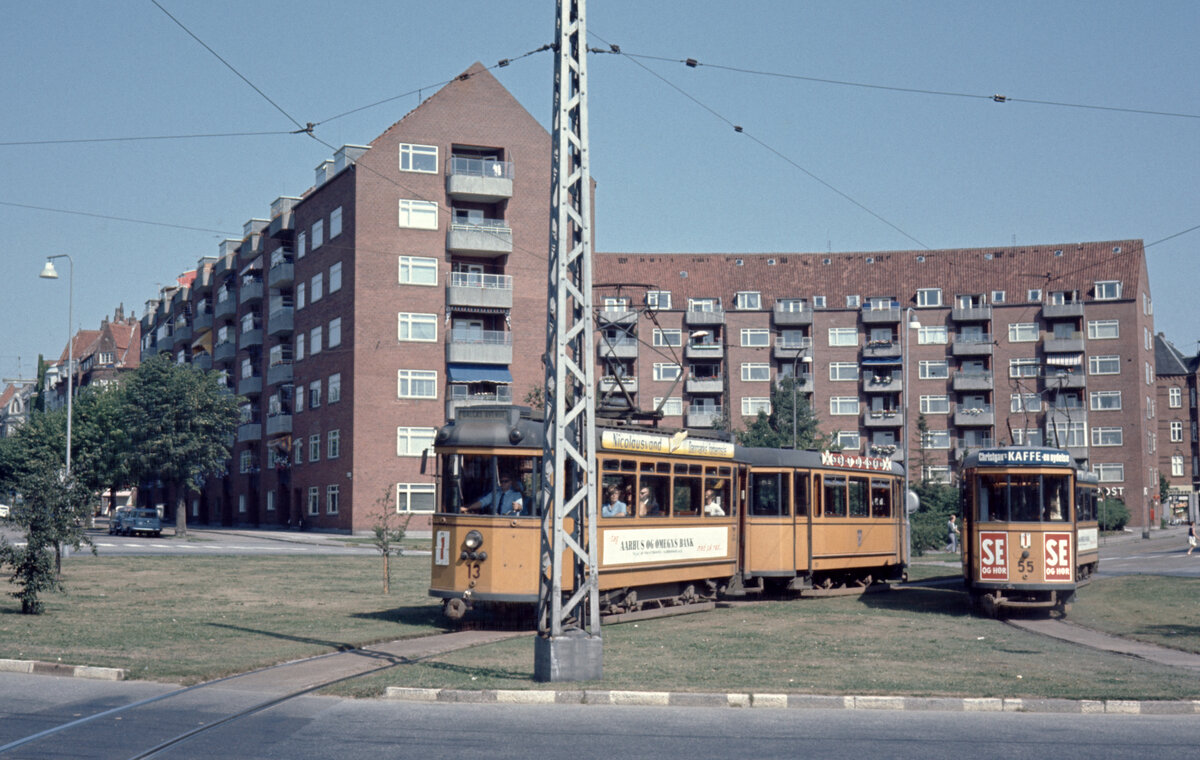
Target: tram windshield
column 490, row 485
column 1008, row 497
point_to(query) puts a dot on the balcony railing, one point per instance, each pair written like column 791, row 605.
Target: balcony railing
column 787, row 315
column 965, row 380
column 624, row 347
column 488, row 237
column 873, row 314
column 702, row 417
column 479, row 346
column 701, row 317
column 981, row 414
column 972, row 345
column 477, row 289
column 479, row 179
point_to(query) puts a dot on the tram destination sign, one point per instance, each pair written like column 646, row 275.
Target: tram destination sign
column 855, row 461
column 679, row 444
column 1017, row 456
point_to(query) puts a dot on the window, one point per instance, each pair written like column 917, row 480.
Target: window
column 934, row 370
column 704, row 304
column 335, row 222
column 314, row 341
column 665, row 371
column 843, row 336
column 932, row 335
column 843, row 372
column 314, row 394
column 335, row 332
column 1107, row 436
column 335, row 277
column 848, row 440
column 1103, row 401
column 756, row 337
column 335, row 388
column 997, row 296
column 298, row 448
column 333, row 444
column 658, row 299
column 318, row 234
column 818, row 302
column 414, row 497
column 301, row 244
column 315, row 290
column 299, row 346
column 929, row 297
column 1104, row 365
column 1104, row 329
column 1023, row 367
column 936, row 439
column 413, row 441
column 418, row 158
column 748, row 300
column 1022, row 332
column 246, row 462
column 1149, row 374
column 752, row 405
column 936, row 473
column 671, row 406
column 1034, row 295
column 1147, row 341
column 314, row 500
column 417, row 328
column 935, row 404
column 1110, row 473
column 418, row 215
column 1108, row 290
column 417, row 270
column 1025, row 402
column 790, row 305
column 756, row 372
column 416, row 383
column 843, row 405
column 270, row 503
column 1175, row 397
column 331, row 500
column 314, row 448
column 853, row 302
column 1176, row 431
column 667, row 337
column 301, row 289
column 1176, row 466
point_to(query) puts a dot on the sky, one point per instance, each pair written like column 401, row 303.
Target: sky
column 923, row 157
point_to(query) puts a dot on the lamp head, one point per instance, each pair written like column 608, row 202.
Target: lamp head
column 48, row 271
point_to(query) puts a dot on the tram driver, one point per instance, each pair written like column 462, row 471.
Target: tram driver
column 508, row 500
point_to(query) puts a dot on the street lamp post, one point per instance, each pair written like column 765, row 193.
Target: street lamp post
column 910, row 323
column 795, row 379
column 49, row 273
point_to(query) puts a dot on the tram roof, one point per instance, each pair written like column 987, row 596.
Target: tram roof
column 806, row 458
column 1020, row 456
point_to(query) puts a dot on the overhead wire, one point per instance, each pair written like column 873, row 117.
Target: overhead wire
column 68, row 141
column 110, row 218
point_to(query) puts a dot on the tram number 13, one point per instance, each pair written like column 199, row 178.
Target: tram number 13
column 473, row 570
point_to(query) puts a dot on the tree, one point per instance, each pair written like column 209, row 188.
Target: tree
column 387, row 533
column 774, row 430
column 101, row 440
column 181, row 426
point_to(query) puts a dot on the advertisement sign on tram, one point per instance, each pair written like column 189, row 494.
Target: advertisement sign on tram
column 993, row 555
column 1059, row 566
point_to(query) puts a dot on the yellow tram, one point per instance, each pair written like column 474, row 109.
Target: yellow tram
column 1087, row 525
column 676, row 524
column 1020, row 529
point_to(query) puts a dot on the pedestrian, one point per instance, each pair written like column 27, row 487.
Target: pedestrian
column 1191, row 537
column 952, row 537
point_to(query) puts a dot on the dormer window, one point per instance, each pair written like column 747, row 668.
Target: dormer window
column 1108, row 290
column 751, row 300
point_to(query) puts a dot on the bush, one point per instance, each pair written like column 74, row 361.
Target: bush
column 1113, row 514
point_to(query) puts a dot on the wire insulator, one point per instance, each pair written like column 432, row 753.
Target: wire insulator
column 692, row 63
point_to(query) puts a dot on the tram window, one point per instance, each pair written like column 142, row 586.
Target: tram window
column 616, row 494
column 800, row 491
column 766, row 497
column 860, row 504
column 688, row 492
column 993, row 504
column 1024, row 499
column 490, row 485
column 881, row 498
column 1085, row 505
column 1058, row 494
column 652, row 495
column 716, row 498
column 835, row 496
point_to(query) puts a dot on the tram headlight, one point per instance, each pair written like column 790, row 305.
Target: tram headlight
column 473, row 540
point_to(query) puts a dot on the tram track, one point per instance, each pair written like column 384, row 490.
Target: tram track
column 150, row 727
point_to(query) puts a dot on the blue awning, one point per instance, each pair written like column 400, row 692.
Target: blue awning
column 878, row 361
column 478, row 373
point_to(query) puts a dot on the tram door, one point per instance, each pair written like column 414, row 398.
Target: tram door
column 770, row 537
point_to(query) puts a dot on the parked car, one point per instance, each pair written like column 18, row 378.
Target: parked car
column 115, row 523
column 141, row 521
column 4, row 511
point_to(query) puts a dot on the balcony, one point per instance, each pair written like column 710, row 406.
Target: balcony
column 1061, row 416
column 202, row 322
column 202, row 361
column 972, row 345
column 469, row 289
column 183, row 334
column 698, row 318
column 279, row 424
column 281, row 275
column 249, row 431
column 974, row 416
column 224, row 352
column 281, row 225
column 625, row 347
column 786, row 315
column 1066, row 380
column 250, row 292
column 608, row 384
column 704, row 385
column 702, row 417
column 972, row 381
column 279, row 373
column 466, row 346
column 883, row 418
column 881, row 315
column 250, row 386
column 1078, row 452
column 490, row 237
column 280, row 323
column 976, row 313
column 622, row 317
column 704, row 351
column 482, row 180
column 1062, row 310
column 1070, row 343
column 882, row 383
column 882, row 349
column 804, row 382
column 459, row 398
column 250, row 339
column 966, row 447
column 226, row 308
column 790, row 350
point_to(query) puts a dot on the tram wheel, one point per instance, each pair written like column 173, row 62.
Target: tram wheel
column 991, row 606
column 455, row 609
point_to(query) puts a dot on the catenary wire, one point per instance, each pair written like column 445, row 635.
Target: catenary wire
column 118, row 218
column 68, row 141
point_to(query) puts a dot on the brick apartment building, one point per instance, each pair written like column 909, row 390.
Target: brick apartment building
column 411, row 280
column 1178, row 425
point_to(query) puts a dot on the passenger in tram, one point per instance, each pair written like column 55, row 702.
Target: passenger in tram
column 712, row 504
column 613, row 506
column 648, row 504
column 510, row 501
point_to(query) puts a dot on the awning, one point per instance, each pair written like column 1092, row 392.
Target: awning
column 1064, row 360
column 478, row 373
column 879, row 361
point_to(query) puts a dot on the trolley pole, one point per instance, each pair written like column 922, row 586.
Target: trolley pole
column 568, row 645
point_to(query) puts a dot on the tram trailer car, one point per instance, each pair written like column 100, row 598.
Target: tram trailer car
column 1087, row 525
column 1020, row 529
column 676, row 525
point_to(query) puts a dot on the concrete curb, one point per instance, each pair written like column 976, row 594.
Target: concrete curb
column 38, row 668
column 792, row 701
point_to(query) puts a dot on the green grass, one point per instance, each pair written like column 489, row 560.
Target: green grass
column 191, row 619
